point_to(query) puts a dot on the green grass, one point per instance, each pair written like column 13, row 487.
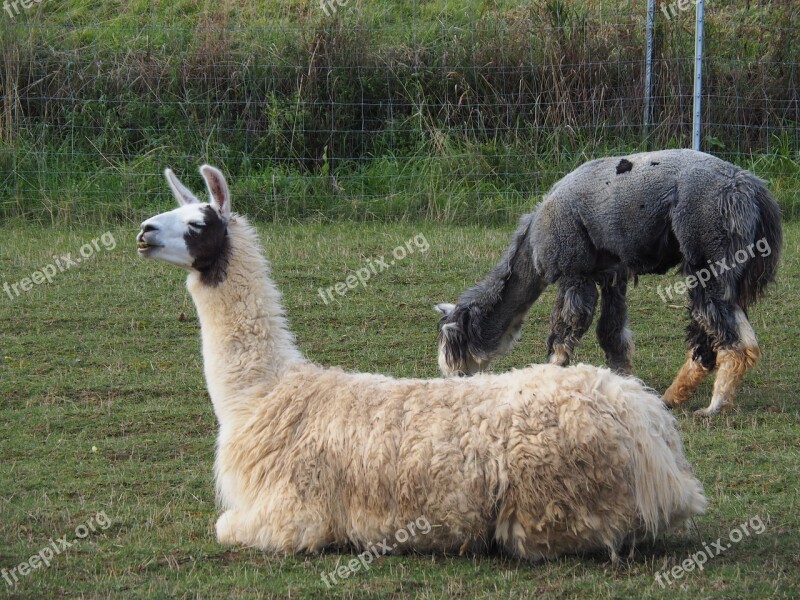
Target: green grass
column 461, row 111
column 107, row 357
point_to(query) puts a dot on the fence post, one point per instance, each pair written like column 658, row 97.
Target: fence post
column 698, row 74
column 648, row 70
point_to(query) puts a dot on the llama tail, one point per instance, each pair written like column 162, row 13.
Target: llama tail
column 764, row 248
column 752, row 222
column 666, row 491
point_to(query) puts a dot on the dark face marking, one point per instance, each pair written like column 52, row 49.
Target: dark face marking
column 209, row 246
column 624, row 166
column 655, row 164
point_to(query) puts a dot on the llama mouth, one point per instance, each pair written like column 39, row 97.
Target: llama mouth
column 142, row 244
column 143, row 247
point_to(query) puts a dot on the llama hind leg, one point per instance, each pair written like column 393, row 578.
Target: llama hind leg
column 732, row 363
column 571, row 316
column 700, row 361
column 615, row 338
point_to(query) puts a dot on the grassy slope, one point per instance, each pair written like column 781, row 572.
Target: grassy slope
column 103, row 358
column 114, row 91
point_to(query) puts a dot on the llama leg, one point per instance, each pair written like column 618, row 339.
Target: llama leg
column 615, row 338
column 700, row 361
column 256, row 529
column 227, row 528
column 732, row 363
column 570, row 318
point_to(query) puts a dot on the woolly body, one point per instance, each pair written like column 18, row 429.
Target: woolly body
column 648, row 212
column 607, row 222
column 539, row 461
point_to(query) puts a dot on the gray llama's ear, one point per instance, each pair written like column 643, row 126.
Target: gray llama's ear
column 444, row 308
column 181, row 193
column 219, row 196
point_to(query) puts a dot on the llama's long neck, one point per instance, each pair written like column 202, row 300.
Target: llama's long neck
column 501, row 300
column 246, row 339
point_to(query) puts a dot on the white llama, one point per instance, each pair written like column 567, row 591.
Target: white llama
column 538, row 461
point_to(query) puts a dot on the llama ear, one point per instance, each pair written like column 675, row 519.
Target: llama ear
column 450, row 331
column 444, row 308
column 181, row 193
column 217, row 190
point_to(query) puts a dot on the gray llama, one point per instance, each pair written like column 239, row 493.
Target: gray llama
column 604, row 224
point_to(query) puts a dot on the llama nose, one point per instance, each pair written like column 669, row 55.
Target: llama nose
column 145, row 228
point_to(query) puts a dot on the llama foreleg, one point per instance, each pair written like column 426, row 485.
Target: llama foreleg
column 247, row 529
column 267, row 529
column 571, row 316
column 615, row 338
column 227, row 528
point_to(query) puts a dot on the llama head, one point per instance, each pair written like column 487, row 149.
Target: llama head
column 456, row 356
column 194, row 235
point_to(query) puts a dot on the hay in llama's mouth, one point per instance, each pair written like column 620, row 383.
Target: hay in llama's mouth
column 143, row 246
column 145, row 250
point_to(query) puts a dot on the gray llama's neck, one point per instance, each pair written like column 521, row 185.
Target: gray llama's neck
column 500, row 301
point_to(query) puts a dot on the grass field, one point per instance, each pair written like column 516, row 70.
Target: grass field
column 103, row 409
column 459, row 111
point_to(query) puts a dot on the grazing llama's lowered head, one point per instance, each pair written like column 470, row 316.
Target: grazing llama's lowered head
column 455, row 355
column 487, row 319
column 463, row 351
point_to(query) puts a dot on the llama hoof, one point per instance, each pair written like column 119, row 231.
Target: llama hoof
column 718, row 403
column 671, row 399
column 620, row 366
column 704, row 413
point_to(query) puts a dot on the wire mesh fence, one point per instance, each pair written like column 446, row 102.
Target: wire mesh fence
column 368, row 110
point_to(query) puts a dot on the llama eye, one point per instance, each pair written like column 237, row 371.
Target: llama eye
column 197, row 225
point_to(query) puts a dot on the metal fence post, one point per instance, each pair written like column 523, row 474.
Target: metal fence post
column 698, row 74
column 648, row 70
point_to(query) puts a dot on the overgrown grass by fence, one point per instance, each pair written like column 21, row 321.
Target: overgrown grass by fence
column 453, row 111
